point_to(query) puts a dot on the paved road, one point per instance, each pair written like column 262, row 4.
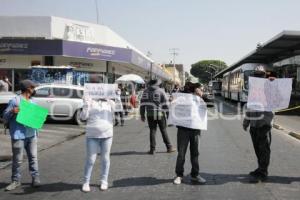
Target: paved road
column 226, row 158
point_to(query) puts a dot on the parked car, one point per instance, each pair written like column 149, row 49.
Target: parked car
column 64, row 102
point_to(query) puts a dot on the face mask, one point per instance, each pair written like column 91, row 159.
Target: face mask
column 33, row 93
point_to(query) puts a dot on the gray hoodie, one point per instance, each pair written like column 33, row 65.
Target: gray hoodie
column 258, row 119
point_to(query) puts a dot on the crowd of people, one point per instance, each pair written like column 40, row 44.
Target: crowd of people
column 102, row 115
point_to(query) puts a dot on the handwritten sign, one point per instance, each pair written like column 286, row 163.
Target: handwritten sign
column 32, row 115
column 100, row 91
column 188, row 110
column 266, row 95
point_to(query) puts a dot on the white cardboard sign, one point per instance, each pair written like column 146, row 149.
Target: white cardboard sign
column 101, row 90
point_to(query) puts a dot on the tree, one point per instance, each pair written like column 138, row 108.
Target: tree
column 205, row 69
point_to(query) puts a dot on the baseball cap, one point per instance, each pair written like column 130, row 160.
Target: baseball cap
column 25, row 84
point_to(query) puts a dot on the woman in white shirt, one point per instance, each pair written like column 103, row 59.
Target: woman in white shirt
column 99, row 136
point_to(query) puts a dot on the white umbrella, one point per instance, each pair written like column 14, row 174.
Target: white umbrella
column 131, row 77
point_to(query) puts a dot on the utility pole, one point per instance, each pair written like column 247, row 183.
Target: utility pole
column 174, row 53
column 97, row 11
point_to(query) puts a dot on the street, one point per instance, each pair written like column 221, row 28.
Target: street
column 226, row 158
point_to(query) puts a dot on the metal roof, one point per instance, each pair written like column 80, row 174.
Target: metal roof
column 282, row 46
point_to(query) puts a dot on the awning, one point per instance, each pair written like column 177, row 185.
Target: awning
column 284, row 45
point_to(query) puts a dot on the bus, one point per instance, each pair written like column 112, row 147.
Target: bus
column 235, row 83
column 215, row 87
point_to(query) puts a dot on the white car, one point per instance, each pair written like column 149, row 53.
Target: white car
column 64, row 102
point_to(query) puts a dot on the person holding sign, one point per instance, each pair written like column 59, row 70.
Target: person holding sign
column 154, row 105
column 260, row 123
column 22, row 137
column 186, row 136
column 99, row 135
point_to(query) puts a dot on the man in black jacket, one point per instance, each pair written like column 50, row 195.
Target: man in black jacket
column 260, row 123
column 154, row 103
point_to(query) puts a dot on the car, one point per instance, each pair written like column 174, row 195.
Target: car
column 208, row 98
column 64, row 102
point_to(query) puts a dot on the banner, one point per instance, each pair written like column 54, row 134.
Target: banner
column 188, row 110
column 101, row 91
column 31, row 115
column 267, row 95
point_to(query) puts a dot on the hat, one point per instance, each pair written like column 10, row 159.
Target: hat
column 155, row 82
column 25, row 84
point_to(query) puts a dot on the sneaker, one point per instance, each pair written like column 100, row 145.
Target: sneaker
column 254, row 173
column 263, row 178
column 198, row 179
column 177, row 180
column 36, row 182
column 13, row 185
column 86, row 187
column 103, row 187
column 171, row 150
column 151, row 152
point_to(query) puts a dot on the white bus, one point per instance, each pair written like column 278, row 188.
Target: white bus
column 235, row 83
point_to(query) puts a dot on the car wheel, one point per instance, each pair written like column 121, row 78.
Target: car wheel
column 77, row 119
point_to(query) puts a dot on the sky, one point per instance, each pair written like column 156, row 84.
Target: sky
column 200, row 29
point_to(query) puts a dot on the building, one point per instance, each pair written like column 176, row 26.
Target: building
column 178, row 74
column 85, row 48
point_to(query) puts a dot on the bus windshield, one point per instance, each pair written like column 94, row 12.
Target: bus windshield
column 246, row 78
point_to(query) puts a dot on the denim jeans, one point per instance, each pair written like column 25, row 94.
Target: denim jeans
column 30, row 145
column 93, row 145
column 184, row 138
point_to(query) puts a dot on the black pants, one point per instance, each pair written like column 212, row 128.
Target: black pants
column 117, row 114
column 162, row 124
column 261, row 139
column 184, row 137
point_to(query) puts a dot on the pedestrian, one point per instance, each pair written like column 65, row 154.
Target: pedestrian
column 187, row 136
column 22, row 137
column 260, row 123
column 4, row 84
column 99, row 137
column 119, row 115
column 154, row 106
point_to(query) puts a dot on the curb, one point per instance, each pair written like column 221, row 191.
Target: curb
column 295, row 135
column 290, row 133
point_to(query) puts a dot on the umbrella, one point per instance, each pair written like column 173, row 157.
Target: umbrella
column 131, row 77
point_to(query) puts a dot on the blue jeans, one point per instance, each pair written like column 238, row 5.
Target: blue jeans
column 93, row 145
column 18, row 146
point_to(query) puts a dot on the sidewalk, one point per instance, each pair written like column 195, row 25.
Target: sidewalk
column 288, row 123
column 49, row 136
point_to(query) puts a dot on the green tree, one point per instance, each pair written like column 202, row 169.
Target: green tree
column 204, row 69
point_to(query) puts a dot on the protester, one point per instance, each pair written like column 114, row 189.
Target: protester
column 99, row 136
column 260, row 123
column 125, row 100
column 4, row 84
column 186, row 136
column 119, row 116
column 22, row 137
column 154, row 104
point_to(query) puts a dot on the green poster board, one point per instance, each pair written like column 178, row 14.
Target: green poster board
column 31, row 115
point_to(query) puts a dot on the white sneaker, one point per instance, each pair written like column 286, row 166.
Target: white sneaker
column 86, row 187
column 177, row 180
column 103, row 187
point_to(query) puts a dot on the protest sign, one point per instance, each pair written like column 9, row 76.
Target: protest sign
column 31, row 115
column 188, row 110
column 101, row 91
column 267, row 95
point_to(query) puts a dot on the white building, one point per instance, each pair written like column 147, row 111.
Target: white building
column 53, row 41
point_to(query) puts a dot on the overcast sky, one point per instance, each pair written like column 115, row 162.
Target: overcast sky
column 201, row 29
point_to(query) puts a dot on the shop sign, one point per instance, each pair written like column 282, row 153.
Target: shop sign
column 81, row 64
column 95, row 51
column 11, row 46
column 76, row 32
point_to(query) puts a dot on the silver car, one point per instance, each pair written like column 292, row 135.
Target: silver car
column 64, row 102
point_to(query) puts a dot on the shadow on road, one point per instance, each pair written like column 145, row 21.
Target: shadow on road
column 221, row 179
column 53, row 187
column 139, row 181
column 128, row 153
